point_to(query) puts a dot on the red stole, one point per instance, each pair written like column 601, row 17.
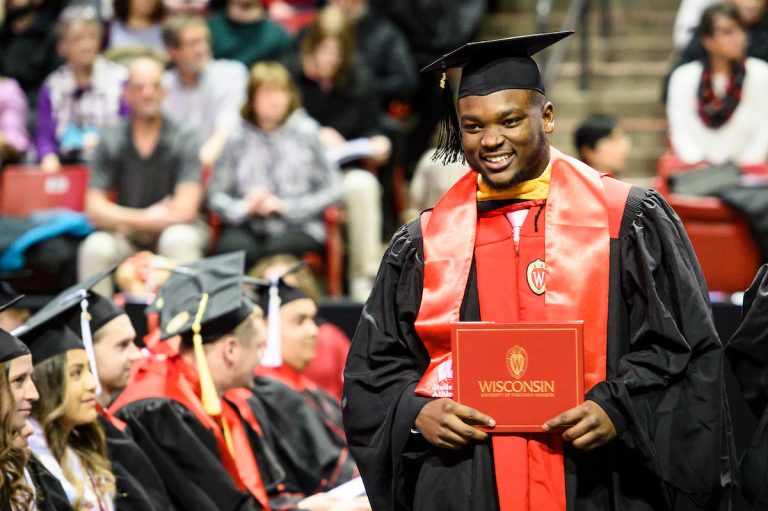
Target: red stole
column 578, row 228
column 170, row 377
column 120, row 425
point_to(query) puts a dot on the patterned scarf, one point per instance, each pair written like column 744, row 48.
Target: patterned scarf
column 713, row 110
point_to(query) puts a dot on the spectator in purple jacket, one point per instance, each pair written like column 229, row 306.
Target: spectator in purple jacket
column 80, row 98
column 14, row 139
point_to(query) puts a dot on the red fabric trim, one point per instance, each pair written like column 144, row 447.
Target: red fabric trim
column 287, row 375
column 169, row 377
column 120, row 425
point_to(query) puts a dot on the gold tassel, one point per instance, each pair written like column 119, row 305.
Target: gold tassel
column 443, row 77
column 208, row 394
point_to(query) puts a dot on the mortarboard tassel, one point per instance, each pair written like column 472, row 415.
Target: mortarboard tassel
column 273, row 353
column 208, row 394
column 87, row 336
column 449, row 137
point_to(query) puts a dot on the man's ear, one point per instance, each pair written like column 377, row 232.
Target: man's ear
column 229, row 349
column 548, row 117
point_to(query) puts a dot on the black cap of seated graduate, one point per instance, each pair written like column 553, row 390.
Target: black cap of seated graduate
column 11, row 346
column 201, row 302
column 271, row 294
column 74, row 309
column 487, row 67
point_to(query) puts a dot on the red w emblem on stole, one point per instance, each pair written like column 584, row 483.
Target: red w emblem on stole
column 535, row 274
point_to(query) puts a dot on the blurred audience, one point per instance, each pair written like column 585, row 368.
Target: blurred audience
column 336, row 89
column 273, row 181
column 754, row 17
column 14, row 138
column 687, row 19
column 242, row 32
column 431, row 179
column 431, row 33
column 716, row 105
column 137, row 23
column 603, row 144
column 28, row 44
column 384, row 49
column 203, row 94
column 80, row 98
column 149, row 165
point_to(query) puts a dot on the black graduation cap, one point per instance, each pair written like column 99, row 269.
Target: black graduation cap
column 271, row 295
column 211, row 288
column 72, row 309
column 47, row 337
column 204, row 299
column 488, row 67
column 10, row 345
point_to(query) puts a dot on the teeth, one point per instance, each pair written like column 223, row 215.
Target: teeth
column 497, row 159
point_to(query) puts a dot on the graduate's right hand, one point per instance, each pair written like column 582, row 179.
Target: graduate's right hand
column 445, row 423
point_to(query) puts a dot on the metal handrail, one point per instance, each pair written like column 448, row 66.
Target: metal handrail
column 577, row 18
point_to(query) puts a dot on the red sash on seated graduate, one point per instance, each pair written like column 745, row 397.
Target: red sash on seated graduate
column 521, row 374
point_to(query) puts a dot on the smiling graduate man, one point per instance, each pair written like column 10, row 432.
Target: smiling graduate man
column 652, row 431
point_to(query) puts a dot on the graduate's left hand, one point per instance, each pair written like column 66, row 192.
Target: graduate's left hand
column 588, row 425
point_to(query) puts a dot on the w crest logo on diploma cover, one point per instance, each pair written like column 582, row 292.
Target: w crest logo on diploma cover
column 517, row 361
column 535, row 273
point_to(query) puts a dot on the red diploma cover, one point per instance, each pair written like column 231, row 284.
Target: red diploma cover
column 521, row 374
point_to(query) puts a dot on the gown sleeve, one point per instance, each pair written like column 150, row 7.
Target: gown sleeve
column 185, row 455
column 385, row 363
column 139, row 486
column 747, row 352
column 665, row 392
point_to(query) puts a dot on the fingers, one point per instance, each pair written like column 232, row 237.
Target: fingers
column 566, row 418
column 585, row 425
column 472, row 416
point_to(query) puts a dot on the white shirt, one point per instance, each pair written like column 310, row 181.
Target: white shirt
column 742, row 139
column 214, row 101
column 39, row 446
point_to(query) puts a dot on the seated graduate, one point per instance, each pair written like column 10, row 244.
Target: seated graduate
column 24, row 482
column 748, row 356
column 173, row 407
column 91, row 316
column 68, row 438
column 291, row 346
column 309, row 444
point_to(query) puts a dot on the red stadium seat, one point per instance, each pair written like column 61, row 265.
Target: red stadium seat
column 24, row 189
column 724, row 245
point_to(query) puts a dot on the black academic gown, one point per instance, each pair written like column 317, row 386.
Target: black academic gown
column 139, row 486
column 50, row 495
column 663, row 392
column 314, row 459
column 747, row 352
column 186, row 456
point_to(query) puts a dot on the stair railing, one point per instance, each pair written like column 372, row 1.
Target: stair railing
column 577, row 18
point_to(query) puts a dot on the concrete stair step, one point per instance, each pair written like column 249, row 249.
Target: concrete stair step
column 642, row 102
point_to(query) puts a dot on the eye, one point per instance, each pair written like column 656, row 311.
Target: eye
column 76, row 373
column 510, row 123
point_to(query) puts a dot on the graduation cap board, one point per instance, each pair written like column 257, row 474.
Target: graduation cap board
column 488, row 67
column 57, row 327
column 204, row 299
column 11, row 346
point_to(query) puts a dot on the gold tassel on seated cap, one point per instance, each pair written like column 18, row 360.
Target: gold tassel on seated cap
column 208, row 394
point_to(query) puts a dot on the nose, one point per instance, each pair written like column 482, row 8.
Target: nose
column 492, row 140
column 31, row 393
column 133, row 353
column 89, row 381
